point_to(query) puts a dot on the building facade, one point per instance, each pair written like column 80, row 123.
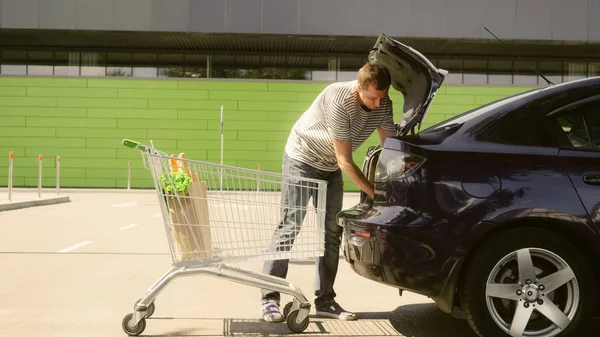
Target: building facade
column 77, row 76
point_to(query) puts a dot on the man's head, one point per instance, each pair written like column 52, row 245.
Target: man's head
column 373, row 85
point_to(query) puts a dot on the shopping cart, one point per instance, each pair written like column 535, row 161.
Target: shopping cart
column 216, row 214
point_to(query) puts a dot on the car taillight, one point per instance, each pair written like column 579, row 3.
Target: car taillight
column 394, row 165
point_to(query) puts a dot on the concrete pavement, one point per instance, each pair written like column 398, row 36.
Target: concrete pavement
column 28, row 197
column 77, row 268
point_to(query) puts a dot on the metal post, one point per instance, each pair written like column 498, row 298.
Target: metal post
column 128, row 175
column 258, row 179
column 40, row 177
column 222, row 141
column 57, row 175
column 11, row 157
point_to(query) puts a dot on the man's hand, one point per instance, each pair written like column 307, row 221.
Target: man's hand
column 343, row 152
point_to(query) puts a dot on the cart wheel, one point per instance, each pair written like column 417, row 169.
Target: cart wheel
column 291, row 322
column 136, row 330
column 287, row 309
column 150, row 310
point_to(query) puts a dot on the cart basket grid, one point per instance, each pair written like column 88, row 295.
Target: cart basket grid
column 217, row 213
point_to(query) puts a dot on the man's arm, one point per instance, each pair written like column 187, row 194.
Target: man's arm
column 387, row 128
column 384, row 133
column 343, row 152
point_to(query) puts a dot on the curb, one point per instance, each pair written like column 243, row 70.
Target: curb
column 33, row 203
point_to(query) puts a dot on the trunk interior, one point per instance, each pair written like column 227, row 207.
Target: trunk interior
column 368, row 169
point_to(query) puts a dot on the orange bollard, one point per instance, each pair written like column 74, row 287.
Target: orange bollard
column 57, row 175
column 40, row 176
column 11, row 157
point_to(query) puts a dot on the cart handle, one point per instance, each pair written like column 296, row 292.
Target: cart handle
column 134, row 145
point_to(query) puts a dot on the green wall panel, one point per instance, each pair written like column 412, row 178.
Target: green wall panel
column 253, row 95
column 42, row 112
column 12, row 121
column 27, row 101
column 26, row 131
column 162, row 93
column 189, row 104
column 131, row 113
column 84, row 121
column 43, row 82
column 71, row 92
column 102, row 102
column 130, row 83
column 13, row 91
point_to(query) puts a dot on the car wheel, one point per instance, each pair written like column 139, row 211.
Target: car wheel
column 528, row 282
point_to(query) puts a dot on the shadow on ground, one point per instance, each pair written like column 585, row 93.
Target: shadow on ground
column 414, row 320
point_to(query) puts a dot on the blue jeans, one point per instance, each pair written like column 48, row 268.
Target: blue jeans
column 291, row 220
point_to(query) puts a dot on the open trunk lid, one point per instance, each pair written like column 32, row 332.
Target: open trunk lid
column 413, row 75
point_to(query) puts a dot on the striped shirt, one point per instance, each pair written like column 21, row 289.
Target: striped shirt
column 337, row 113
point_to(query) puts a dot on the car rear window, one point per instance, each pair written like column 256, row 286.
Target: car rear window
column 473, row 113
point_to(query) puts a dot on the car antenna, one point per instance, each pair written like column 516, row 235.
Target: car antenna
column 534, row 68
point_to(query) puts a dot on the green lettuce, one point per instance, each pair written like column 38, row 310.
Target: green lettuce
column 179, row 180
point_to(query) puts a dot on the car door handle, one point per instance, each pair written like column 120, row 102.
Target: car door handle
column 592, row 180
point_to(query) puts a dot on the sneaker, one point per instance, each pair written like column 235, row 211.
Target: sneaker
column 334, row 310
column 271, row 312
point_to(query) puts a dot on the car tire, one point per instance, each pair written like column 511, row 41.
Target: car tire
column 498, row 261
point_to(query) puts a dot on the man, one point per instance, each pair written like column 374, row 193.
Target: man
column 320, row 146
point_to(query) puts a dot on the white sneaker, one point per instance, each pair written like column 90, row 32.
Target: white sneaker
column 271, row 312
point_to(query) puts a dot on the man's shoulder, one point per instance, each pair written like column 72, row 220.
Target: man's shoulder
column 339, row 92
column 341, row 87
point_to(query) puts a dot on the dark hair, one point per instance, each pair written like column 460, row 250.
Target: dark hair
column 374, row 74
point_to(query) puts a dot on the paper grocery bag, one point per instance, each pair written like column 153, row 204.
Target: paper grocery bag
column 198, row 192
column 190, row 230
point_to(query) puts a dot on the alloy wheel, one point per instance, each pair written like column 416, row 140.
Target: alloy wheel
column 532, row 292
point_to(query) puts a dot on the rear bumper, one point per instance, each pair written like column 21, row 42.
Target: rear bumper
column 401, row 255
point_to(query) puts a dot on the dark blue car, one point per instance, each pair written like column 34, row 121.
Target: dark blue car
column 494, row 213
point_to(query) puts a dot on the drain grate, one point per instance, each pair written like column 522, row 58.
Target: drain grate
column 317, row 327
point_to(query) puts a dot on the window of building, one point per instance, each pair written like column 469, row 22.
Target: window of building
column 295, row 67
column 593, row 69
column 574, row 70
column 66, row 63
column 14, row 62
column 475, row 72
column 329, row 68
column 195, row 65
column 279, row 67
column 524, row 73
column 275, row 67
column 170, row 65
column 349, row 67
column 324, row 68
column 119, row 64
column 145, row 65
column 40, row 63
column 500, row 72
column 247, row 66
column 454, row 68
column 222, row 66
column 93, row 64
column 552, row 71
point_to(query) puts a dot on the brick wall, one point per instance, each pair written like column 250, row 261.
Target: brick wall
column 84, row 120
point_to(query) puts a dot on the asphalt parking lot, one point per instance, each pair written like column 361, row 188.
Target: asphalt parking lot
column 76, row 269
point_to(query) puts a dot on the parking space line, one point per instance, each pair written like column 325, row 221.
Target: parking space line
column 127, row 204
column 128, row 226
column 79, row 245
